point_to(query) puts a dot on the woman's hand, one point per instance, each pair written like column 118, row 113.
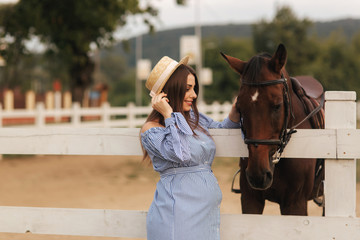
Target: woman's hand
column 234, row 114
column 161, row 104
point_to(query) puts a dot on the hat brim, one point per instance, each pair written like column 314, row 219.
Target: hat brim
column 183, row 61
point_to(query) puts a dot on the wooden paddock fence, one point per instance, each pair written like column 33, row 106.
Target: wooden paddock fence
column 338, row 144
column 129, row 116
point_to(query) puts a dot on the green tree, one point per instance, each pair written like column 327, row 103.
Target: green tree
column 119, row 77
column 67, row 28
column 338, row 66
column 226, row 82
column 286, row 28
column 12, row 38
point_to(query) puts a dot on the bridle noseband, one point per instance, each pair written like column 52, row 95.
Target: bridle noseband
column 285, row 134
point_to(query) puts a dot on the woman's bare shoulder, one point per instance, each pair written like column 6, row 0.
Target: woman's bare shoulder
column 150, row 124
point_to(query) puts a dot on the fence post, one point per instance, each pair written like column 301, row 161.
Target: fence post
column 1, row 125
column 340, row 175
column 226, row 108
column 131, row 114
column 57, row 105
column 76, row 116
column 49, row 100
column 30, row 100
column 67, row 102
column 40, row 120
column 215, row 111
column 8, row 100
column 1, row 116
column 105, row 118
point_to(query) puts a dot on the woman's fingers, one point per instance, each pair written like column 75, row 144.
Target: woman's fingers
column 157, row 98
column 235, row 101
column 161, row 104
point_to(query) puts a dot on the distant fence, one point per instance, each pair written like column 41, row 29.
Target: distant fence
column 338, row 144
column 104, row 116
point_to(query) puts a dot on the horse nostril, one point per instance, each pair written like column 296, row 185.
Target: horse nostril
column 262, row 181
column 268, row 175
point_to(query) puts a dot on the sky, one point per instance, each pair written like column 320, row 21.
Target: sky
column 207, row 12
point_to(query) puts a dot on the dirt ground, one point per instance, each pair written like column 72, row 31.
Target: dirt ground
column 99, row 182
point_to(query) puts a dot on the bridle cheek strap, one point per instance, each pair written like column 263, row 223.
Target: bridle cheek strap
column 285, row 135
column 283, row 139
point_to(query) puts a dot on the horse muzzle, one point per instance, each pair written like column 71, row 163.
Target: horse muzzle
column 260, row 170
column 261, row 181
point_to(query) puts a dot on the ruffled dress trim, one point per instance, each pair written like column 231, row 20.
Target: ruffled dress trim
column 169, row 143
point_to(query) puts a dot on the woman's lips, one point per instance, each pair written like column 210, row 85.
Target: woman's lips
column 188, row 103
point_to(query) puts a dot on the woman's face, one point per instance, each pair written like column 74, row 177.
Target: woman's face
column 190, row 94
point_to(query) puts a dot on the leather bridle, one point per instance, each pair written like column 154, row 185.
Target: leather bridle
column 285, row 134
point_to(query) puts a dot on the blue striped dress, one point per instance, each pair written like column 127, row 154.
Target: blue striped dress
column 186, row 204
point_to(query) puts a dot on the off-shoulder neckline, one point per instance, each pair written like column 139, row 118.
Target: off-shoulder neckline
column 152, row 129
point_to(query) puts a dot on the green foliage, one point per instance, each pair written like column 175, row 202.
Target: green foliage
column 338, row 65
column 123, row 91
column 68, row 28
column 119, row 78
column 225, row 81
column 286, row 28
column 333, row 60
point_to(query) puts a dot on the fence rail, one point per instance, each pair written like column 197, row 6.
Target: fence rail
column 105, row 116
column 319, row 143
column 132, row 224
column 129, row 116
column 338, row 144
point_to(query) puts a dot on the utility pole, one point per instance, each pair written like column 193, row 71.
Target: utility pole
column 138, row 87
column 199, row 59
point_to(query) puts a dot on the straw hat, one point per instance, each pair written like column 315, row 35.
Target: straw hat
column 161, row 73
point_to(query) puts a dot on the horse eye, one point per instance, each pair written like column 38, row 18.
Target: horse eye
column 277, row 107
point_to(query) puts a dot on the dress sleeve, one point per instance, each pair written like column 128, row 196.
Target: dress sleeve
column 210, row 123
column 169, row 143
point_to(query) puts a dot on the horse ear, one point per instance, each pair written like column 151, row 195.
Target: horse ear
column 234, row 63
column 278, row 61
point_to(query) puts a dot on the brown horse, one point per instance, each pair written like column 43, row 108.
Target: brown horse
column 272, row 105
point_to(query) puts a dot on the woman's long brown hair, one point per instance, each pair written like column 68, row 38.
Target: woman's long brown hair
column 175, row 88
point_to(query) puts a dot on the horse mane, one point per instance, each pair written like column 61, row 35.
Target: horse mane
column 253, row 67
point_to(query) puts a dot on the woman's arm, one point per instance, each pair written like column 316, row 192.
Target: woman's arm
column 170, row 142
column 234, row 114
column 232, row 121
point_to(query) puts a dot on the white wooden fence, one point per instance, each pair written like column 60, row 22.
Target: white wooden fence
column 129, row 116
column 338, row 144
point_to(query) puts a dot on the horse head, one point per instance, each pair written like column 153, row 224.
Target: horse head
column 263, row 103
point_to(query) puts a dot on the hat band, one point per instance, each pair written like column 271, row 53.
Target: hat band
column 163, row 77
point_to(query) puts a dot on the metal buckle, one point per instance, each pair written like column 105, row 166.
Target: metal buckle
column 276, row 157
